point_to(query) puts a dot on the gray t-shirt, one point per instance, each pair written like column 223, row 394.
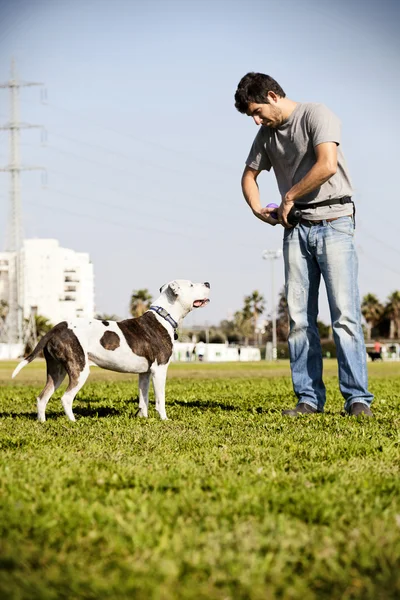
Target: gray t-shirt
column 289, row 150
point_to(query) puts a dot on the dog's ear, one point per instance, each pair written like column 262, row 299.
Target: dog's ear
column 162, row 287
column 172, row 291
column 174, row 285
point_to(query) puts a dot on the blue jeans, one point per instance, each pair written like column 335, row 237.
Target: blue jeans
column 325, row 249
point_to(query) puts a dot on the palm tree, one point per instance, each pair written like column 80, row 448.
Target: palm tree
column 242, row 321
column 255, row 305
column 41, row 325
column 372, row 311
column 140, row 302
column 392, row 311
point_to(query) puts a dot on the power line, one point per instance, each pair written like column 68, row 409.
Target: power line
column 110, row 222
column 130, row 136
column 91, row 160
column 103, row 165
column 119, row 154
column 377, row 261
column 124, row 171
column 132, row 193
column 112, row 206
column 122, row 155
column 373, row 237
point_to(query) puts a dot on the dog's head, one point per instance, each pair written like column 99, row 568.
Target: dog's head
column 189, row 295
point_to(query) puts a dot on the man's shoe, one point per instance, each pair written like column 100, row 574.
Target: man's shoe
column 301, row 409
column 358, row 408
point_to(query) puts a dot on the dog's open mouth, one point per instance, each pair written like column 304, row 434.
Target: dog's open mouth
column 200, row 303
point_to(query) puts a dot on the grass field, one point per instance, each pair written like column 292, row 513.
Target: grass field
column 226, row 500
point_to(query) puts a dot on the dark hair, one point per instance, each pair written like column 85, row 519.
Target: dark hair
column 254, row 87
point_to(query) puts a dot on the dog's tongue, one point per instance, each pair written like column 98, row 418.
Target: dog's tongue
column 199, row 303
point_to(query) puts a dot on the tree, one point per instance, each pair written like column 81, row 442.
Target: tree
column 282, row 322
column 242, row 321
column 41, row 326
column 323, row 330
column 106, row 317
column 140, row 302
column 216, row 336
column 230, row 331
column 392, row 311
column 372, row 311
column 254, row 305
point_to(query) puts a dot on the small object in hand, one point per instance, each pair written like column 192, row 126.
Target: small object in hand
column 294, row 216
column 274, row 214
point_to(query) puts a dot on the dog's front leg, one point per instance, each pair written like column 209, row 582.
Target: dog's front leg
column 144, row 382
column 159, row 375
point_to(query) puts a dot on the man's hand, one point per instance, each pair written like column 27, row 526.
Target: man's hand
column 252, row 196
column 265, row 215
column 283, row 211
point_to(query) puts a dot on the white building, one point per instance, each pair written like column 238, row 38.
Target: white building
column 189, row 352
column 58, row 281
column 4, row 274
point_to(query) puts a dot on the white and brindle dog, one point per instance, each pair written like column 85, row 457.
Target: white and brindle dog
column 142, row 345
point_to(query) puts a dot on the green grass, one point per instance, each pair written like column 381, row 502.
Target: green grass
column 226, row 500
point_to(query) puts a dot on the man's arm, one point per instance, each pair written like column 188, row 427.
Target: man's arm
column 252, row 196
column 323, row 169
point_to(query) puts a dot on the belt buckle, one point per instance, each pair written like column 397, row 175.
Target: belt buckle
column 311, row 223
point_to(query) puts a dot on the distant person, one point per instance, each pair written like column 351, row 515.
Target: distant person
column 301, row 143
column 378, row 350
column 200, row 351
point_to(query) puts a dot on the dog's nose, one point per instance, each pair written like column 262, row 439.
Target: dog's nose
column 207, row 284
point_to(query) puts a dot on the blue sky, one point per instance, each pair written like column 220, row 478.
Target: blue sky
column 144, row 150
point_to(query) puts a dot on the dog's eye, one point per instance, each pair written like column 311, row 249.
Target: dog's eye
column 191, row 285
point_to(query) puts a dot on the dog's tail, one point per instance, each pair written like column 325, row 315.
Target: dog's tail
column 40, row 346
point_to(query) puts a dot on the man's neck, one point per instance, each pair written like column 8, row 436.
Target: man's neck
column 287, row 106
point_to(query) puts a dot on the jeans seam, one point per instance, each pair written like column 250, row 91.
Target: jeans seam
column 357, row 401
column 309, row 404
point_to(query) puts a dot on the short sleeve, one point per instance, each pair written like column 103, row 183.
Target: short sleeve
column 324, row 125
column 258, row 158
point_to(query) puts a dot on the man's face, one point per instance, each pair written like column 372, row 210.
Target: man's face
column 269, row 115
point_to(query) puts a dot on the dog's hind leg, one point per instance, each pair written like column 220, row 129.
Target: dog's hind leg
column 159, row 375
column 144, row 383
column 77, row 380
column 55, row 377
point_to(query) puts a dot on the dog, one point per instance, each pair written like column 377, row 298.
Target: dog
column 142, row 345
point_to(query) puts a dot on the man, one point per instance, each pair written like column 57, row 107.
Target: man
column 301, row 143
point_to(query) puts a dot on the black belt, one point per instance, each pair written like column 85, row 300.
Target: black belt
column 311, row 223
column 330, row 202
column 344, row 200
